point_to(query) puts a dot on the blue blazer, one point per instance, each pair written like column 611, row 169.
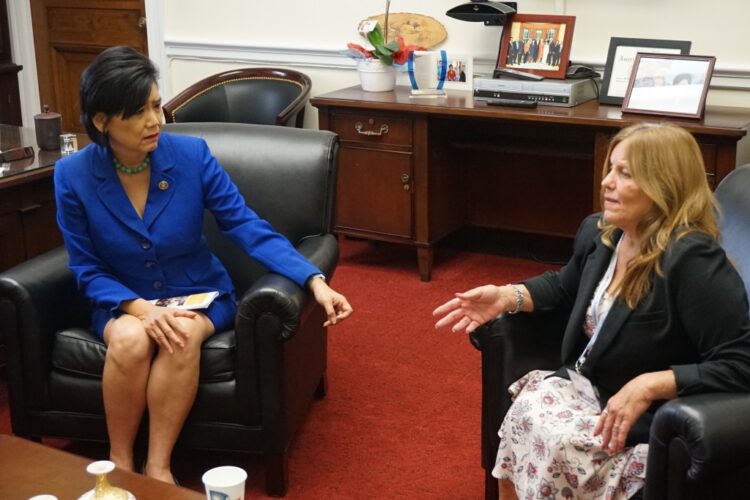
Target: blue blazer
column 117, row 256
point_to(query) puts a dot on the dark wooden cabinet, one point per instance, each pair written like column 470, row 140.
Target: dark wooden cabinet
column 28, row 225
column 12, row 249
column 10, row 101
column 374, row 189
column 413, row 170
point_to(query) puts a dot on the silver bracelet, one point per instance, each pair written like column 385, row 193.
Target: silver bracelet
column 520, row 299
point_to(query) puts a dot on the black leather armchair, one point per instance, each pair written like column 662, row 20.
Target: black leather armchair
column 264, row 96
column 257, row 380
column 699, row 446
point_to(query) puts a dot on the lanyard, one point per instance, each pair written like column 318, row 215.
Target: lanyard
column 595, row 304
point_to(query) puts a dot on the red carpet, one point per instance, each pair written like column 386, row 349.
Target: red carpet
column 401, row 419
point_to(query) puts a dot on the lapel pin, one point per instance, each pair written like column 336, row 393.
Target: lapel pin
column 163, row 185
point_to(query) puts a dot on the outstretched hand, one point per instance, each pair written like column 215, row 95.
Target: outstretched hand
column 471, row 309
column 336, row 306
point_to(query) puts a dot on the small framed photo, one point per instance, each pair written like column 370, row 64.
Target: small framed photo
column 430, row 72
column 621, row 57
column 535, row 43
column 459, row 72
column 669, row 84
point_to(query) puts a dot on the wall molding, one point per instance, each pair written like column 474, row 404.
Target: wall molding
column 725, row 77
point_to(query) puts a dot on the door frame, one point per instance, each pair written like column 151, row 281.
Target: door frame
column 22, row 47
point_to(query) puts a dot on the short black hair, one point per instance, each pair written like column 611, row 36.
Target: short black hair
column 118, row 81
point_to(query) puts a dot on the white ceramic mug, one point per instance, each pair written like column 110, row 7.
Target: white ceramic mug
column 225, row 483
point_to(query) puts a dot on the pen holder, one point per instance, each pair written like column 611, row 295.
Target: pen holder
column 48, row 126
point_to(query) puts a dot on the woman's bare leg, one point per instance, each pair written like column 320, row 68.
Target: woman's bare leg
column 126, row 372
column 171, row 391
column 507, row 490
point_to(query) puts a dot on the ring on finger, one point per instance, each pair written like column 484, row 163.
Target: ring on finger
column 605, row 411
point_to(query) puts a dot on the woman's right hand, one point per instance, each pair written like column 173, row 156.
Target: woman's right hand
column 162, row 325
column 471, row 309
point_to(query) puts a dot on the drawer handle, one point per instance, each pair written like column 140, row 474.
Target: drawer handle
column 30, row 208
column 358, row 127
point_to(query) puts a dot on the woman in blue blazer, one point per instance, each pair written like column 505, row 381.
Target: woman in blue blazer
column 130, row 207
column 655, row 310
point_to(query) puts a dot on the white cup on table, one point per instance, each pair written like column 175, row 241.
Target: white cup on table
column 225, row 483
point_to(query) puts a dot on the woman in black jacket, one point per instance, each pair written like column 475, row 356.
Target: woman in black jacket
column 655, row 311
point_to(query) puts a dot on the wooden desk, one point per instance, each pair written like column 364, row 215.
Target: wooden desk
column 27, row 203
column 27, row 200
column 30, row 468
column 414, row 170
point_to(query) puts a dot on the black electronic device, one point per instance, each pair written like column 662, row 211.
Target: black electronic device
column 577, row 71
column 518, row 103
column 514, row 73
column 484, row 11
column 16, row 154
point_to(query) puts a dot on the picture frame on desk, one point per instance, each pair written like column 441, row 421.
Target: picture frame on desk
column 538, row 44
column 669, row 85
column 620, row 59
column 462, row 77
column 430, row 72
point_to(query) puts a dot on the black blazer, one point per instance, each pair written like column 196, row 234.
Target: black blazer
column 694, row 319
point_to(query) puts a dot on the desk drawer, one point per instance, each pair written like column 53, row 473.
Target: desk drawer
column 373, row 129
column 10, row 201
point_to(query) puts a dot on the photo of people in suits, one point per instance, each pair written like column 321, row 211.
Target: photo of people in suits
column 535, row 45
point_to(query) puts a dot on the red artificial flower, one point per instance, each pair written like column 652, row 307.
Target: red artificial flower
column 401, row 55
column 359, row 48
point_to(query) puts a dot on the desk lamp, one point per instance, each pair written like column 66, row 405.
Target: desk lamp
column 486, row 11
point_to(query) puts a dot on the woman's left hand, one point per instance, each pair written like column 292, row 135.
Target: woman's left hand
column 336, row 306
column 625, row 408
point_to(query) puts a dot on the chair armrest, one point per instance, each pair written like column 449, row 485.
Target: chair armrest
column 37, row 298
column 276, row 295
column 697, row 439
column 322, row 251
column 296, row 107
column 512, row 346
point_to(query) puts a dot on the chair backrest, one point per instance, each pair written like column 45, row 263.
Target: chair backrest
column 265, row 96
column 733, row 195
column 286, row 175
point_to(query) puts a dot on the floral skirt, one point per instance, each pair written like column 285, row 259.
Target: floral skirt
column 548, row 450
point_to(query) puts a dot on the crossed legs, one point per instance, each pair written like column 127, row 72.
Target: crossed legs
column 135, row 379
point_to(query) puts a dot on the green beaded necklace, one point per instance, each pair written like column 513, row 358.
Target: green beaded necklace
column 134, row 170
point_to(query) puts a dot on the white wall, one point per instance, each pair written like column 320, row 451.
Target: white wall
column 306, row 35
column 191, row 39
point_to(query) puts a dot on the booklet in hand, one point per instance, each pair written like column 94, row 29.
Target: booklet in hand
column 194, row 301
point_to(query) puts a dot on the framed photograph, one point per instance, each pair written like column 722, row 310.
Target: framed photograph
column 669, row 84
column 621, row 57
column 439, row 70
column 537, row 44
column 459, row 73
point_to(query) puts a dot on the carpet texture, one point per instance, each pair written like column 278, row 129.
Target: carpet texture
column 402, row 415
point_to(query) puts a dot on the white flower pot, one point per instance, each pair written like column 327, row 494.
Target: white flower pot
column 374, row 76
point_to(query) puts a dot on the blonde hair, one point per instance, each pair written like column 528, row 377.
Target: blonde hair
column 666, row 164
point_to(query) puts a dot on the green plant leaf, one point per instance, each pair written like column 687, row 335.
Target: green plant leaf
column 392, row 46
column 386, row 59
column 375, row 37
